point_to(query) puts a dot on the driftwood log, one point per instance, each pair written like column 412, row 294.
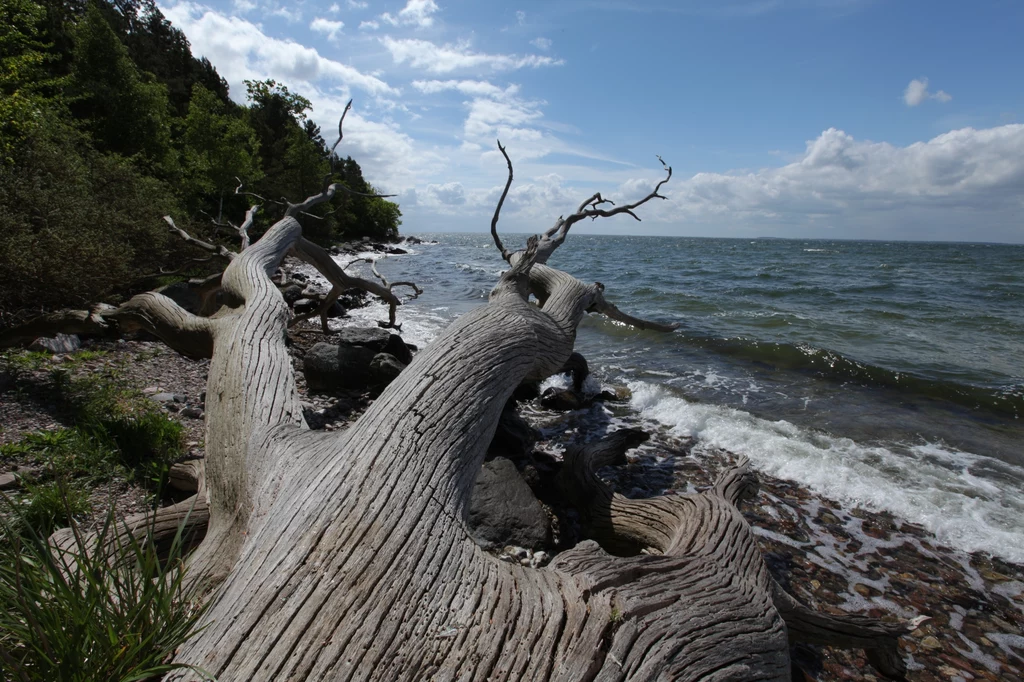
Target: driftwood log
column 345, row 555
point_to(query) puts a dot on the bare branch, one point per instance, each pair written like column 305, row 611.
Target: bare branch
column 184, row 332
column 215, row 249
column 243, row 229
column 340, row 282
column 601, row 305
column 329, row 188
column 590, row 208
column 505, row 253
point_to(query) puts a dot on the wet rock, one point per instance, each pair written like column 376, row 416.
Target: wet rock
column 62, row 343
column 503, row 510
column 561, row 400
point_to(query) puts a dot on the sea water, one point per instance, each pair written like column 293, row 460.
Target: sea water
column 888, row 375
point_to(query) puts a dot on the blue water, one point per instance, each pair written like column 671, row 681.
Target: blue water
column 885, row 374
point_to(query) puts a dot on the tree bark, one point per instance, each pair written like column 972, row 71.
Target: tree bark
column 345, row 556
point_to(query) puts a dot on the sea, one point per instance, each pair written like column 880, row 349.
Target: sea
column 883, row 375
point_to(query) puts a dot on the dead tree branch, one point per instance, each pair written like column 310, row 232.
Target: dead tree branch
column 505, row 253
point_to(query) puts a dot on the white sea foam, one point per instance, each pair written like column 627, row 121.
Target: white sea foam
column 934, row 486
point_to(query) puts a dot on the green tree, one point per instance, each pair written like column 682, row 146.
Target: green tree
column 78, row 226
column 23, row 77
column 219, row 146
column 125, row 111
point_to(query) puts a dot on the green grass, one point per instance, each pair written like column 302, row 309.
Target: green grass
column 117, row 433
column 110, row 608
column 88, row 614
column 48, row 506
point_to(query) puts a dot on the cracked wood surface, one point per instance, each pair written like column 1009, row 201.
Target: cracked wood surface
column 346, row 556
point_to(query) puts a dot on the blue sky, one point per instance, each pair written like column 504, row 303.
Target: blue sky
column 803, row 118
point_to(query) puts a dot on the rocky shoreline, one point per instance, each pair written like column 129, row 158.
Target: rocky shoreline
column 833, row 558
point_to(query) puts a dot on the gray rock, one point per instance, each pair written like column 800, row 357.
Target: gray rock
column 62, row 343
column 385, row 368
column 335, row 311
column 192, row 413
column 305, row 305
column 328, row 366
column 504, row 511
column 182, row 294
column 291, row 293
column 167, row 398
column 380, row 340
column 12, row 480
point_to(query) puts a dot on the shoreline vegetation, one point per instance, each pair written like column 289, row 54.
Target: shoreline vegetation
column 835, row 559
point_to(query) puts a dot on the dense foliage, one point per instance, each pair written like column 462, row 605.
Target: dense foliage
column 108, row 122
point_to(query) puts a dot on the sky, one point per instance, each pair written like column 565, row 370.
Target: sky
column 831, row 119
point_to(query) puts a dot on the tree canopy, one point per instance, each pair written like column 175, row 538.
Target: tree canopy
column 103, row 104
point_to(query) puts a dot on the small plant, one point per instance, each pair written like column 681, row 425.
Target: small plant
column 49, row 506
column 145, row 440
column 20, row 362
column 108, row 608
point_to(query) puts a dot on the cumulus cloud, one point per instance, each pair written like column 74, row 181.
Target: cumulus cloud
column 370, row 24
column 917, row 92
column 241, row 50
column 357, row 4
column 334, row 8
column 423, row 54
column 449, row 194
column 848, row 180
column 541, row 43
column 328, row 27
column 417, row 13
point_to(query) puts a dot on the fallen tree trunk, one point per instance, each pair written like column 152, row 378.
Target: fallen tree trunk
column 345, row 555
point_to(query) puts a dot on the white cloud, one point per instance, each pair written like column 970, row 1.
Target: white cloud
column 423, row 54
column 521, row 17
column 356, row 4
column 917, row 92
column 244, row 6
column 844, row 180
column 290, row 15
column 334, row 8
column 328, row 27
column 466, row 87
column 371, row 25
column 541, row 43
column 241, row 50
column 416, row 13
column 449, row 194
